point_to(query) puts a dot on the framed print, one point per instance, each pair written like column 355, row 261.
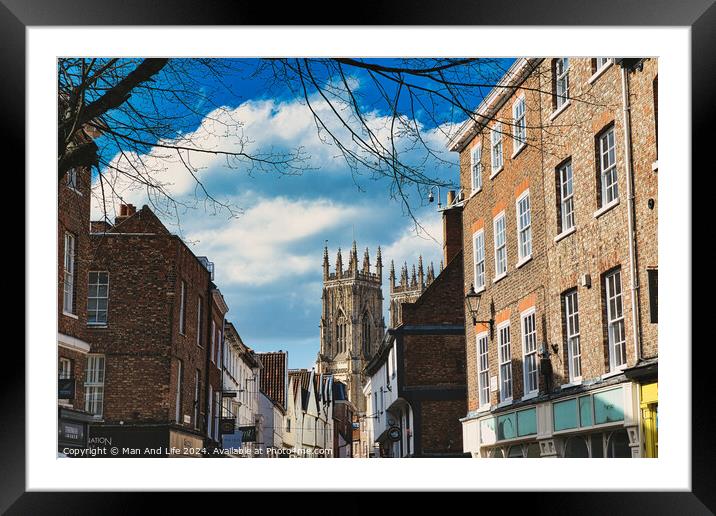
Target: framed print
column 413, row 244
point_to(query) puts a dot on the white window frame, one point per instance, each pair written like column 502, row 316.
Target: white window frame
column 68, row 298
column 212, row 351
column 524, row 227
column 94, row 384
column 197, row 398
column 72, row 181
column 601, row 63
column 615, row 321
column 608, row 176
column 561, row 82
column 574, row 345
column 520, row 124
column 65, row 369
column 482, row 344
column 476, row 168
column 503, row 247
column 478, row 253
column 97, row 297
column 529, row 352
column 496, row 150
column 565, row 178
column 180, row 372
column 182, row 309
column 504, row 358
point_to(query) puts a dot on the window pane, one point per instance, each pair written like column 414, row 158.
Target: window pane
column 585, row 411
column 608, row 406
column 506, row 427
column 527, row 422
column 565, row 414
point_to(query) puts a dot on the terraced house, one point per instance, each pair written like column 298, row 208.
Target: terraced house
column 559, row 173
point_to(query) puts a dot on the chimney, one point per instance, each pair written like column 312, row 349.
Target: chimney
column 452, row 228
column 125, row 211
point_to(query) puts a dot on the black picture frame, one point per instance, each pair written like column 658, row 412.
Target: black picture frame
column 700, row 15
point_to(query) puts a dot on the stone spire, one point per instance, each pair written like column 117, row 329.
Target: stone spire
column 339, row 264
column 379, row 264
column 413, row 279
column 326, row 269
column 392, row 274
column 366, row 261
column 421, row 273
column 404, row 275
column 431, row 273
column 353, row 261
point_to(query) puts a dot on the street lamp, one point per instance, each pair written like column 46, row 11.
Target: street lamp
column 430, row 195
column 472, row 300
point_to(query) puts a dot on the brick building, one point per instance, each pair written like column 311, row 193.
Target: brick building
column 559, row 174
column 416, row 389
column 154, row 372
column 73, row 346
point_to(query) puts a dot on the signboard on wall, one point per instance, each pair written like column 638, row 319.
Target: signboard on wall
column 249, row 433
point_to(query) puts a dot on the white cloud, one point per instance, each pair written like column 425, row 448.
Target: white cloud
column 414, row 242
column 254, row 126
column 254, row 249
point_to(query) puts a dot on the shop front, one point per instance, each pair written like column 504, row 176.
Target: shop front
column 593, row 423
column 72, row 428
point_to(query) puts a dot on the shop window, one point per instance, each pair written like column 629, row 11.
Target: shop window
column 533, row 451
column 576, row 447
column 515, row 452
column 618, row 445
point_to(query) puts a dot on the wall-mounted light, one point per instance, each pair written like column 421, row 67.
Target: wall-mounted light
column 472, row 300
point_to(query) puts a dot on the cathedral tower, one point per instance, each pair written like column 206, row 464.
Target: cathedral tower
column 352, row 324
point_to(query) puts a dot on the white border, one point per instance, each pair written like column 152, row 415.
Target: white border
column 670, row 471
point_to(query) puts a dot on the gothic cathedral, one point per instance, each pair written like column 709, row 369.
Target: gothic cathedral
column 352, row 324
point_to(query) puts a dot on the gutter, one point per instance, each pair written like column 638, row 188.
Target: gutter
column 634, row 280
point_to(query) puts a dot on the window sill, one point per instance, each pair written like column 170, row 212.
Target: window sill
column 565, row 234
column 613, row 373
column 517, row 151
column 99, row 326
column 479, row 290
column 523, row 261
column 505, row 403
column 559, row 110
column 600, row 72
column 574, row 383
column 74, row 190
column 484, row 408
column 70, row 315
column 498, row 278
column 474, row 193
column 601, row 211
column 530, row 396
column 493, row 175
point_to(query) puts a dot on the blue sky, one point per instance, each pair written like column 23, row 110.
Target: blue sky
column 268, row 260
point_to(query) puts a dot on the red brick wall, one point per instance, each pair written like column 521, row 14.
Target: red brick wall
column 73, row 216
column 142, row 340
column 442, row 302
column 441, row 427
column 599, row 243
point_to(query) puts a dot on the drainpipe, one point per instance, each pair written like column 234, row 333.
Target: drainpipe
column 631, row 211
